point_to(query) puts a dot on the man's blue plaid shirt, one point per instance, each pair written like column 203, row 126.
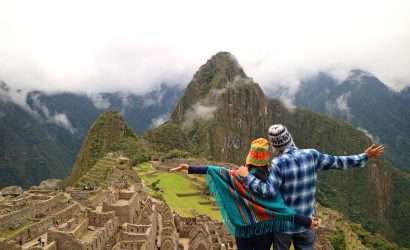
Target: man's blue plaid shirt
column 295, row 173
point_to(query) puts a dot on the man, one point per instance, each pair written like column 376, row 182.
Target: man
column 294, row 172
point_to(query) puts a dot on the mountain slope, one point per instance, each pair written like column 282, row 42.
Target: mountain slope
column 108, row 129
column 366, row 103
column 28, row 154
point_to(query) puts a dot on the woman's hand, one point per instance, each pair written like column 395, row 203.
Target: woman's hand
column 180, row 167
column 243, row 171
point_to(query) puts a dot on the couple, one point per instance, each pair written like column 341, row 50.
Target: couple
column 256, row 201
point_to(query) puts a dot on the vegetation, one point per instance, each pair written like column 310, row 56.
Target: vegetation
column 338, row 240
column 374, row 241
column 167, row 137
column 28, row 153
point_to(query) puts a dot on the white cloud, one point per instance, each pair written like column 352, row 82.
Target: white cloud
column 59, row 119
column 340, row 106
column 99, row 101
column 134, row 46
column 152, row 100
column 158, row 121
column 198, row 111
column 375, row 139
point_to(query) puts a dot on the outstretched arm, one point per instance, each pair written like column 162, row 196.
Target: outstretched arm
column 191, row 169
column 325, row 161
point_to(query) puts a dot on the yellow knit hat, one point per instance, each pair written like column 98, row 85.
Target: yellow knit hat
column 258, row 153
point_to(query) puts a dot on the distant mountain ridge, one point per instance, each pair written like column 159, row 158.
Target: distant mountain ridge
column 62, row 120
column 28, row 154
column 366, row 103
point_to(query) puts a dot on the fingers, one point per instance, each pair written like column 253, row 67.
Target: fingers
column 179, row 168
column 373, row 150
column 315, row 222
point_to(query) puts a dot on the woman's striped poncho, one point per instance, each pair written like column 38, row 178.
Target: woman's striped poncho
column 246, row 214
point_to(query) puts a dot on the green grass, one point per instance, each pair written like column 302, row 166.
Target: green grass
column 171, row 184
column 11, row 232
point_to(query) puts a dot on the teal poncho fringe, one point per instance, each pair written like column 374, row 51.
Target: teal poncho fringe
column 247, row 214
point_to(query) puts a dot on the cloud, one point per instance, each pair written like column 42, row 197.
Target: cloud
column 340, row 106
column 154, row 99
column 158, row 121
column 141, row 46
column 59, row 119
column 99, row 101
column 62, row 120
column 198, row 111
column 375, row 139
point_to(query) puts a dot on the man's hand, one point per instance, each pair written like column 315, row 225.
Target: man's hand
column 180, row 167
column 315, row 222
column 374, row 151
column 243, row 171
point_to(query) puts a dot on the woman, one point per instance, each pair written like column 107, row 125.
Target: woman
column 250, row 217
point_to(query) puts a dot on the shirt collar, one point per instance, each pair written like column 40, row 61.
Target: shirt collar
column 289, row 149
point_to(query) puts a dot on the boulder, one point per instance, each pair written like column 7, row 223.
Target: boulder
column 11, row 190
column 51, row 184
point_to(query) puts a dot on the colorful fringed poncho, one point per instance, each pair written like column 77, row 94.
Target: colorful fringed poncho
column 246, row 214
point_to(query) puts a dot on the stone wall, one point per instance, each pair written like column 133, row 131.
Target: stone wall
column 131, row 245
column 107, row 225
column 124, row 212
column 65, row 240
column 33, row 231
column 16, row 218
column 136, row 233
column 81, row 228
column 100, row 219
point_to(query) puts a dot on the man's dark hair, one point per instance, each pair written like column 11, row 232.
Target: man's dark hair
column 260, row 172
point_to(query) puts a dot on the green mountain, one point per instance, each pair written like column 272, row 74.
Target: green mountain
column 222, row 110
column 109, row 129
column 28, row 154
column 366, row 103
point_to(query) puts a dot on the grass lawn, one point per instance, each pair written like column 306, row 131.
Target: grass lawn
column 171, row 184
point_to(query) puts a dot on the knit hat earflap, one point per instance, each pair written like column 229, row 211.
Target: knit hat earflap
column 280, row 138
column 258, row 153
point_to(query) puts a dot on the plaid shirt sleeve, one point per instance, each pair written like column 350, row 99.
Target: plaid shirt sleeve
column 267, row 189
column 326, row 162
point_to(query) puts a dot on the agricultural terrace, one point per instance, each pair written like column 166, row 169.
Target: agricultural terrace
column 172, row 185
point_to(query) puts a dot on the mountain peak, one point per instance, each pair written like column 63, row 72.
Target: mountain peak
column 218, row 80
column 218, row 70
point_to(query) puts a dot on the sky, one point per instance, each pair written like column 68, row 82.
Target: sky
column 134, row 46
